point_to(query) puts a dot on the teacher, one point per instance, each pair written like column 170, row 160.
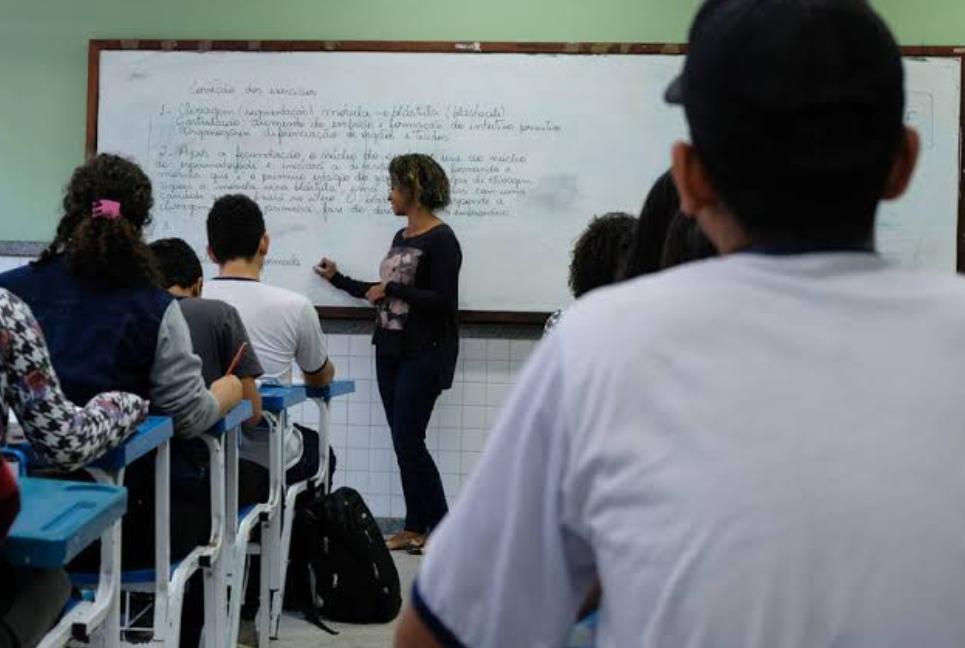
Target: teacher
column 416, row 332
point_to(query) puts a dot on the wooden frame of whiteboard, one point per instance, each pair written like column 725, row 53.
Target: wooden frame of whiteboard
column 450, row 47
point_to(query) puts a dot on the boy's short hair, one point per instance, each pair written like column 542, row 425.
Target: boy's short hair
column 177, row 261
column 795, row 108
column 235, row 228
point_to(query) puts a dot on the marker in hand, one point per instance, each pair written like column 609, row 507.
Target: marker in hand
column 236, row 359
column 326, row 268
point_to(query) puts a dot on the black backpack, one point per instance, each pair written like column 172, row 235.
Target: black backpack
column 340, row 568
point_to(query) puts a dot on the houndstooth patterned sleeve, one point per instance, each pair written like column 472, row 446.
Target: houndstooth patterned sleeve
column 65, row 435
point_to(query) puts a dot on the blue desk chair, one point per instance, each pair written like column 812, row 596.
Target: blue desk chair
column 104, row 610
column 321, row 397
column 153, row 435
column 218, row 557
column 168, row 582
column 275, row 402
column 58, row 520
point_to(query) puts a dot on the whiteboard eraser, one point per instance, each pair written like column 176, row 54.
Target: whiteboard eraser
column 469, row 47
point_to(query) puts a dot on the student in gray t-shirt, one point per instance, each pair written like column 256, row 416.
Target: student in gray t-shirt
column 217, row 333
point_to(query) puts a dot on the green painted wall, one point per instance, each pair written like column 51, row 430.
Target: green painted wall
column 43, row 56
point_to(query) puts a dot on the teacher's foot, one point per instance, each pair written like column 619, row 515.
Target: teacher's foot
column 403, row 539
column 418, row 546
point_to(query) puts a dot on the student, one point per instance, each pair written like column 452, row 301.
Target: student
column 283, row 327
column 659, row 210
column 65, row 436
column 217, row 332
column 599, row 256
column 95, row 293
column 416, row 333
column 685, row 242
column 759, row 450
column 217, row 337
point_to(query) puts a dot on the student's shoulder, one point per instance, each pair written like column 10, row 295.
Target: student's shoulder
column 945, row 290
column 284, row 299
column 238, row 288
column 32, row 272
column 148, row 301
column 646, row 298
column 12, row 277
column 243, row 293
column 11, row 307
column 213, row 309
column 642, row 314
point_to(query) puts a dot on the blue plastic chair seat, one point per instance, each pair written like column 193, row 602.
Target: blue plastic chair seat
column 128, row 577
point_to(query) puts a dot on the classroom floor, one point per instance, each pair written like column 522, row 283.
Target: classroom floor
column 298, row 633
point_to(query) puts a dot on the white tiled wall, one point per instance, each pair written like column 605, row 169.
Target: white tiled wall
column 457, row 431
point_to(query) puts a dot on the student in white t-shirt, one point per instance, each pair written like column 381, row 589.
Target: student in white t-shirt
column 282, row 325
column 760, row 450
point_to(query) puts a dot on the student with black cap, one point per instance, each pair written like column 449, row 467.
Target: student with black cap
column 762, row 450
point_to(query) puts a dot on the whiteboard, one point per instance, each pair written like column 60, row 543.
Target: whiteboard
column 534, row 145
column 920, row 230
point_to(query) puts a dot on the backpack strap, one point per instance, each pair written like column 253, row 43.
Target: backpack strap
column 312, row 617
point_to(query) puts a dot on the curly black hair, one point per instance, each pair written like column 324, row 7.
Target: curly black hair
column 177, row 261
column 421, row 177
column 659, row 210
column 108, row 251
column 600, row 253
column 235, row 228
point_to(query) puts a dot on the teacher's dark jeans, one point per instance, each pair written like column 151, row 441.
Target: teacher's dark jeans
column 409, row 388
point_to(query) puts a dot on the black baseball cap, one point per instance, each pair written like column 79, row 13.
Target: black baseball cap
column 793, row 102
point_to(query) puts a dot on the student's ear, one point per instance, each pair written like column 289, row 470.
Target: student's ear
column 197, row 287
column 699, row 199
column 211, row 256
column 903, row 168
column 693, row 183
column 264, row 244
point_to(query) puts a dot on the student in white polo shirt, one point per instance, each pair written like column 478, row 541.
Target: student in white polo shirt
column 761, row 450
column 283, row 327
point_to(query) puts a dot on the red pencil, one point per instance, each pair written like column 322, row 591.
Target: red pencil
column 236, row 359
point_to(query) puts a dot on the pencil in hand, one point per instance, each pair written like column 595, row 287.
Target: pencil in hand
column 236, row 359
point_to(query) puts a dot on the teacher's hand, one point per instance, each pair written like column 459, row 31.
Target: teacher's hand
column 326, row 269
column 375, row 294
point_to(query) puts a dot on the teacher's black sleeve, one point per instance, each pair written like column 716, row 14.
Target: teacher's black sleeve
column 351, row 286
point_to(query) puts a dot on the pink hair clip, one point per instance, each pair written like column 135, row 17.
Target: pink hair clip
column 109, row 209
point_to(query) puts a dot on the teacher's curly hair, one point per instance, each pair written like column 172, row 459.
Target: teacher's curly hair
column 107, row 205
column 422, row 178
